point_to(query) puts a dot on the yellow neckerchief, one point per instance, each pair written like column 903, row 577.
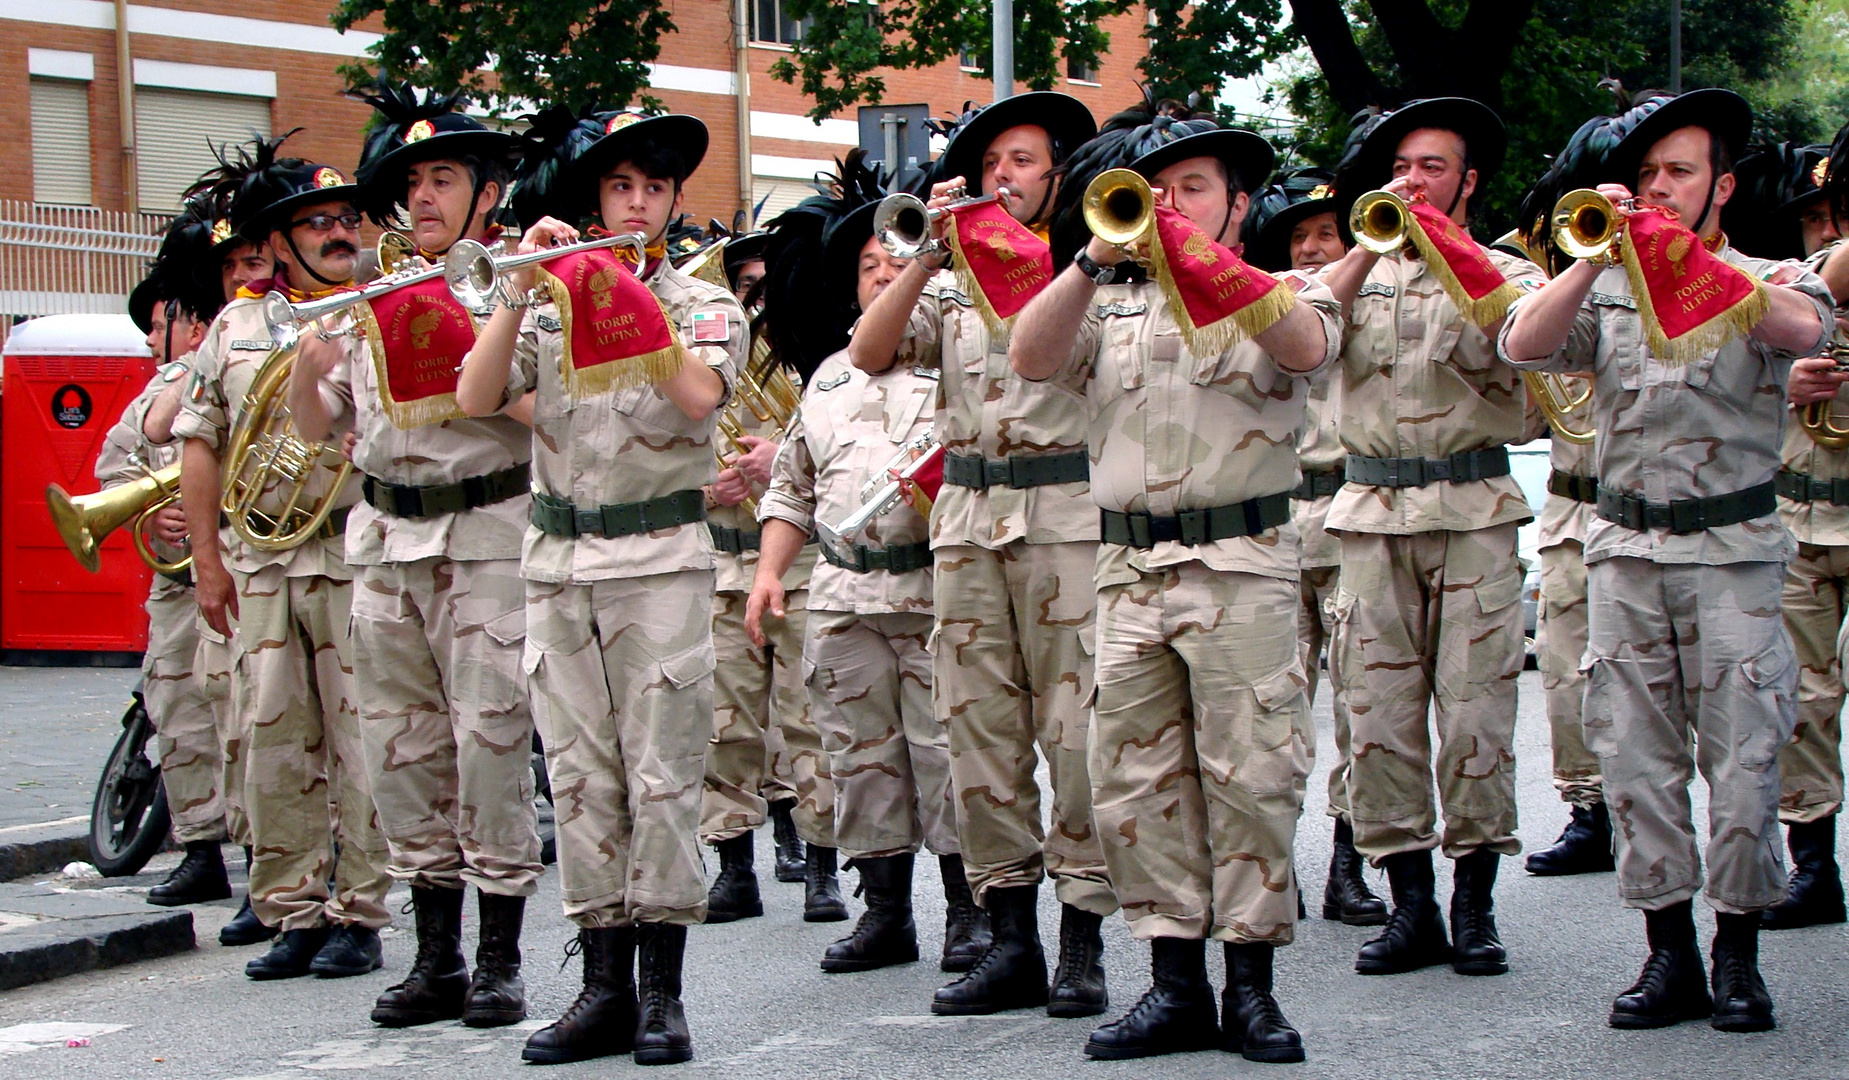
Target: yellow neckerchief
column 1044, row 232
column 1715, row 243
column 280, row 280
column 652, row 256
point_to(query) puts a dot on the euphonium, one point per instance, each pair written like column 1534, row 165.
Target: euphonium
column 474, row 274
column 1379, row 219
column 85, row 520
column 394, row 251
column 1551, row 394
column 1119, row 207
column 265, row 456
column 1587, row 224
column 1818, row 419
column 707, row 264
column 764, row 389
column 903, row 221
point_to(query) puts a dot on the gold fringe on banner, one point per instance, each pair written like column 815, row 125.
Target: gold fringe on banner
column 966, row 280
column 1222, row 334
column 404, row 415
column 1737, row 321
column 1482, row 312
column 645, row 369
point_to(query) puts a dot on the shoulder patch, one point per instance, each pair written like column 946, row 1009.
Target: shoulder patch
column 956, row 296
column 1376, row 288
column 1612, row 300
column 826, row 385
column 551, row 324
column 252, row 344
column 1121, row 309
column 711, row 326
column 172, row 372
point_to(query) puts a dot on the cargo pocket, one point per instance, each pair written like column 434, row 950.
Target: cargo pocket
column 1495, row 650
column 1347, row 665
column 1610, row 681
column 686, row 668
column 1762, row 703
column 494, row 687
column 1276, row 757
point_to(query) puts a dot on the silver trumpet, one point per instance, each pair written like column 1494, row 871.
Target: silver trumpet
column 903, row 222
column 287, row 321
column 879, row 496
column 476, row 275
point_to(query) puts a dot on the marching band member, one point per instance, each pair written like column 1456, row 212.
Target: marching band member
column 305, row 778
column 618, row 559
column 1686, row 561
column 439, row 609
column 1198, row 754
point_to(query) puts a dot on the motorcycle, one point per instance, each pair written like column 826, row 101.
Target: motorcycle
column 129, row 818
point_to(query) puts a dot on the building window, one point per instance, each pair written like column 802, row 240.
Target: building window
column 61, row 142
column 769, row 24
column 1079, row 71
column 969, row 60
column 175, row 131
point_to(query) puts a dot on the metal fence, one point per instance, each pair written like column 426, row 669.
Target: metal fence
column 58, row 260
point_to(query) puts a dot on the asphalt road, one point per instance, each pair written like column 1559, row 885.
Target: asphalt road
column 759, row 1006
column 57, row 725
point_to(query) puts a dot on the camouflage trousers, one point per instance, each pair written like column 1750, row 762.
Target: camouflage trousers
column 212, row 664
column 191, row 764
column 305, row 782
column 1013, row 673
column 751, row 688
column 620, row 674
column 1316, row 590
column 444, row 721
column 1430, row 623
column 869, row 679
column 1198, row 758
column 1560, row 630
column 1689, row 666
column 1811, row 767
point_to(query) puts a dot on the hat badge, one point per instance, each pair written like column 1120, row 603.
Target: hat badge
column 419, row 131
column 1320, row 191
column 326, row 177
column 621, row 121
column 221, row 231
column 1821, row 172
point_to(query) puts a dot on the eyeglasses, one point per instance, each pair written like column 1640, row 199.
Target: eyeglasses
column 326, row 222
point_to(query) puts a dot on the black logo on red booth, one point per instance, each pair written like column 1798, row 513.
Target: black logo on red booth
column 70, row 406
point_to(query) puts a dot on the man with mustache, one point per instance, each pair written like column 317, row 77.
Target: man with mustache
column 306, row 782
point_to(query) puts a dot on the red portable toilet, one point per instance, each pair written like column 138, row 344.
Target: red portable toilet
column 67, row 380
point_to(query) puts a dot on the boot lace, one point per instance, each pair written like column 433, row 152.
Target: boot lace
column 1261, row 1009
column 1655, row 974
column 1074, row 957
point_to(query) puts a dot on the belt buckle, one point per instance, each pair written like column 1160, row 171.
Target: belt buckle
column 586, row 522
column 1444, row 468
column 1141, row 535
column 998, row 473
column 1192, row 525
column 1686, row 516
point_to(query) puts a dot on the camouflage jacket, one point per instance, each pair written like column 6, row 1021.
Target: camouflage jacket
column 127, row 443
column 736, row 572
column 1821, row 521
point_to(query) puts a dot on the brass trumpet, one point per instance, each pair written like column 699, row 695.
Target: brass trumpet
column 475, row 275
column 1818, row 418
column 84, row 521
column 287, row 320
column 903, row 221
column 1379, row 219
column 1559, row 403
column 1587, row 225
column 1119, row 207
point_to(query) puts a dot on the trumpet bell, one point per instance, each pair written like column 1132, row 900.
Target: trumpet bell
column 903, row 225
column 1119, row 207
column 468, row 270
column 85, row 521
column 1379, row 220
column 1585, row 224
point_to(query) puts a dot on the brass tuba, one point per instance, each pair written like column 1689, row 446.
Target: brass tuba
column 85, row 520
column 1551, row 394
column 1119, row 207
column 266, row 455
column 1818, row 418
column 766, row 390
column 1379, row 219
column 1587, row 225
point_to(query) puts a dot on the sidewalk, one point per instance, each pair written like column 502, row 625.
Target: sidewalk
column 57, row 725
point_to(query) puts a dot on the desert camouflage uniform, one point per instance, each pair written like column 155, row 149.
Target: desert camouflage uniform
column 619, row 646
column 1816, row 597
column 304, row 772
column 439, row 624
column 765, row 745
column 1319, row 451
column 866, row 661
column 184, row 715
column 1560, row 626
column 1429, row 609
column 1198, row 747
column 1686, row 645
column 1013, row 663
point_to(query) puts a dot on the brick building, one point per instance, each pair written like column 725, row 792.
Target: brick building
column 217, row 70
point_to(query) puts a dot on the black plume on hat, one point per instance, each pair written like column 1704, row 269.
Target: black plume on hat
column 554, row 138
column 175, row 273
column 806, row 312
column 399, row 106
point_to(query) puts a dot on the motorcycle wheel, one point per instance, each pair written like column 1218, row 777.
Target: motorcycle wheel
column 129, row 819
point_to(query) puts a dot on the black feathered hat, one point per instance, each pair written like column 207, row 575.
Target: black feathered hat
column 1723, row 113
column 740, row 250
column 174, row 274
column 1772, row 186
column 1582, row 163
column 628, row 135
column 1835, row 179
column 1485, row 138
column 1066, row 120
column 553, row 140
column 269, row 195
column 807, row 324
column 408, row 129
column 1276, row 210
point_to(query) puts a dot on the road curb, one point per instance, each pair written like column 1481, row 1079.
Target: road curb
column 52, row 935
column 41, row 849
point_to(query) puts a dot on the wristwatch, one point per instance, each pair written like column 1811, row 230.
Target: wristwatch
column 1100, row 275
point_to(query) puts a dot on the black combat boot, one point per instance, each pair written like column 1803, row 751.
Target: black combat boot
column 1478, row 949
column 1011, row 974
column 1346, row 897
column 1741, row 1002
column 1078, row 979
column 885, row 934
column 439, row 978
column 1251, row 1023
column 661, row 1023
column 351, row 950
column 291, row 956
column 245, row 928
column 1415, row 934
column 1175, row 1016
column 1584, row 846
column 1673, row 987
column 200, row 877
column 497, row 996
column 1815, row 896
column 821, row 888
column 734, row 894
column 966, row 926
column 790, row 864
column 603, row 1019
